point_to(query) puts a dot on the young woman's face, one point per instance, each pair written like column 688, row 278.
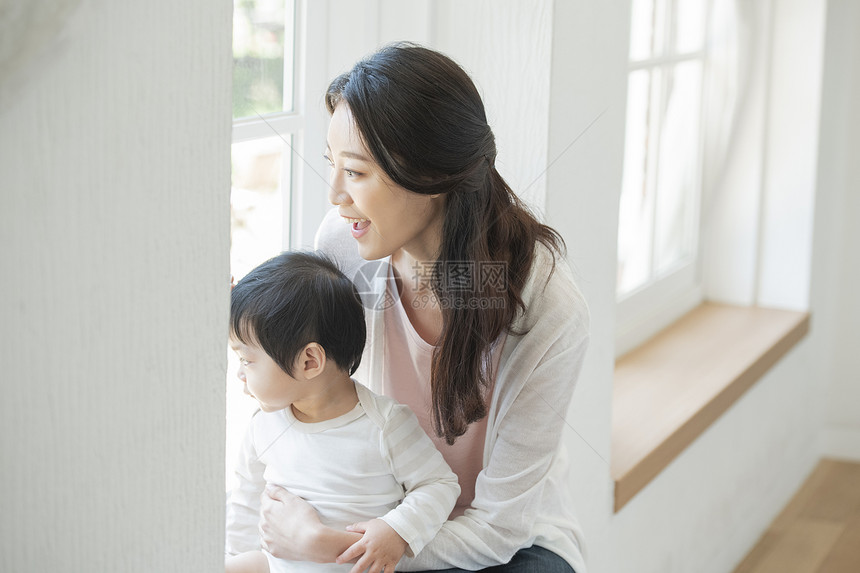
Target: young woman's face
column 384, row 217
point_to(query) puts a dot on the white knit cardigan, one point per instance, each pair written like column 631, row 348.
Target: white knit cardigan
column 522, row 495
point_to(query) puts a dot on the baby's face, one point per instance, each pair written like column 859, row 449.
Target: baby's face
column 273, row 388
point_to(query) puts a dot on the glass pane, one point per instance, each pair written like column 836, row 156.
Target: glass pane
column 647, row 28
column 263, row 38
column 636, row 209
column 678, row 180
column 689, row 25
column 641, row 29
column 261, row 179
column 239, row 410
column 257, row 202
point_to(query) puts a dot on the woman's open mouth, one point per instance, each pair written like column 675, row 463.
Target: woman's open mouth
column 359, row 226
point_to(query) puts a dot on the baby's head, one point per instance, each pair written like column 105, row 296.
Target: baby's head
column 294, row 300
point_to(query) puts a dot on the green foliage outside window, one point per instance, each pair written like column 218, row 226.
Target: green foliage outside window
column 258, row 57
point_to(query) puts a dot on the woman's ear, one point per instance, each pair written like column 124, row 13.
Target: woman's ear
column 311, row 361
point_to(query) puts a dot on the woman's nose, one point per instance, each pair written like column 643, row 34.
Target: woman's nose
column 336, row 195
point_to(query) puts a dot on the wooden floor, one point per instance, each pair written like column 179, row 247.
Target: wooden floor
column 819, row 530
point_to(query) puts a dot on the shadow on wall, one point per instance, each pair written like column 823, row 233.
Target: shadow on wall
column 29, row 31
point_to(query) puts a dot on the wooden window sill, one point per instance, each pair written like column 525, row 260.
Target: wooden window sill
column 670, row 389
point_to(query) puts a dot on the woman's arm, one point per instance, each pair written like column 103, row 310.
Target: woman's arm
column 508, row 492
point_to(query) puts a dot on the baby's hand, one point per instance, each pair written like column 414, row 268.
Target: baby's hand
column 380, row 547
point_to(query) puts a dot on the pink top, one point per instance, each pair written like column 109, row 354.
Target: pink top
column 406, row 378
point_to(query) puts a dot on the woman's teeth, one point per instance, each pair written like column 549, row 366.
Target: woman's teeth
column 358, row 224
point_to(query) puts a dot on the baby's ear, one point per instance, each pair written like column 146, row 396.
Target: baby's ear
column 311, row 361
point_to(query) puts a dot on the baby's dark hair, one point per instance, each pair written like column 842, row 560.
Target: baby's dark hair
column 294, row 299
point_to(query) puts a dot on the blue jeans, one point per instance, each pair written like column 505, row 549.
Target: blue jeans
column 533, row 559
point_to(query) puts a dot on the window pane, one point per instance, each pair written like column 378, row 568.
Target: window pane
column 641, row 29
column 239, row 410
column 689, row 25
column 259, row 195
column 257, row 201
column 263, row 37
column 636, row 210
column 647, row 28
column 678, row 179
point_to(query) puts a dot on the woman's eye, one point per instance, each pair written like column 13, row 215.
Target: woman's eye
column 243, row 361
column 349, row 172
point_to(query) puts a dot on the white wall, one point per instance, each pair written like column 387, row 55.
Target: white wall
column 791, row 145
column 114, row 154
column 837, row 264
column 505, row 46
column 586, row 150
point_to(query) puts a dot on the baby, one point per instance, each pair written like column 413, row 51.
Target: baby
column 297, row 325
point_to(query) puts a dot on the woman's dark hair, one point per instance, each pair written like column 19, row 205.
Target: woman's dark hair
column 422, row 119
column 294, row 299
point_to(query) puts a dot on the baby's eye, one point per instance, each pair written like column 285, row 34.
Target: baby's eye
column 243, row 361
column 328, row 160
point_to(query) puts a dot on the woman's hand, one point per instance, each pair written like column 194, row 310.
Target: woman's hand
column 380, row 548
column 287, row 525
column 291, row 529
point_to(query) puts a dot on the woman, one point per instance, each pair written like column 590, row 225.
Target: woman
column 481, row 330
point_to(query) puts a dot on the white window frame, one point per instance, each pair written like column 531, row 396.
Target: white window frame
column 664, row 298
column 304, row 198
column 309, row 199
column 304, row 194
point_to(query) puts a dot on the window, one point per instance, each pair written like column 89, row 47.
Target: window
column 657, row 273
column 263, row 125
column 269, row 123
